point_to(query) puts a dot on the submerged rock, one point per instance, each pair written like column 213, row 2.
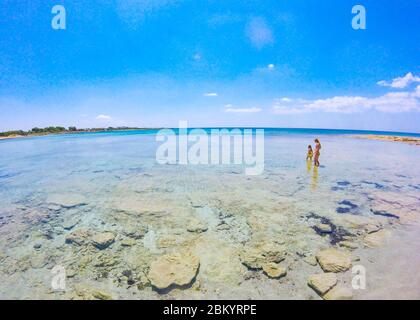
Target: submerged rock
column 39, row 261
column 101, row 295
column 105, row 260
column 347, row 206
column 342, row 210
column 171, row 240
column 363, row 224
column 401, row 206
column 256, row 256
column 128, row 242
column 37, row 245
column 103, row 240
column 78, row 237
column 274, row 270
column 322, row 282
column 135, row 232
column 343, row 183
column 339, row 293
column 333, row 260
column 377, row 239
column 174, row 270
column 67, row 201
column 323, row 228
column 311, row 260
column 348, row 244
column 196, row 226
column 70, row 273
column 70, row 224
column 384, row 208
column 87, row 293
column 53, row 207
column 35, row 216
column 219, row 261
column 385, row 214
column 348, row 203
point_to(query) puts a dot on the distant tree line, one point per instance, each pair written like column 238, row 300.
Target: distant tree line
column 52, row 130
column 47, row 130
column 13, row 133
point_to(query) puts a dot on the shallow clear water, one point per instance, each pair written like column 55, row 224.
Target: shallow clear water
column 53, row 186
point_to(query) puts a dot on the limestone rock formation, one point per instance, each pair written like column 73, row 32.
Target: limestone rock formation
column 377, row 239
column 103, row 240
column 324, row 228
column 339, row 293
column 322, row 282
column 348, row 244
column 196, row 226
column 177, row 269
column 70, row 200
column 78, row 237
column 333, row 260
column 274, row 270
column 254, row 257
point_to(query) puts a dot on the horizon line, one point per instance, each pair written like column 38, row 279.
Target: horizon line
column 126, row 128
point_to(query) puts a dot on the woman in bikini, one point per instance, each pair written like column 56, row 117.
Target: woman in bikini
column 317, row 152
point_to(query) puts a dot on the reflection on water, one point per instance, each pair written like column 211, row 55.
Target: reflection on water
column 314, row 178
column 308, row 166
column 104, row 209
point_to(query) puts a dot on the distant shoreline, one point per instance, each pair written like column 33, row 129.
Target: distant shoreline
column 404, row 139
column 29, row 134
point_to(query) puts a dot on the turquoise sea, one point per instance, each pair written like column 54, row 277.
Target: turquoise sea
column 59, row 194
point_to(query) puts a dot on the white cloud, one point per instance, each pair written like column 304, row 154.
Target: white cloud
column 271, row 66
column 286, row 99
column 210, row 94
column 259, row 33
column 103, row 117
column 392, row 102
column 416, row 93
column 396, row 102
column 197, row 57
column 243, row 110
column 339, row 104
column 280, row 109
column 400, row 82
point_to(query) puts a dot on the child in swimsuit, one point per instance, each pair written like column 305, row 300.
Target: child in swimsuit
column 310, row 153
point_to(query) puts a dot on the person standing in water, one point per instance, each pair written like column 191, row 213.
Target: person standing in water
column 317, row 152
column 310, row 153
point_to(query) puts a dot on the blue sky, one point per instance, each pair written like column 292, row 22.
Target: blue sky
column 267, row 63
